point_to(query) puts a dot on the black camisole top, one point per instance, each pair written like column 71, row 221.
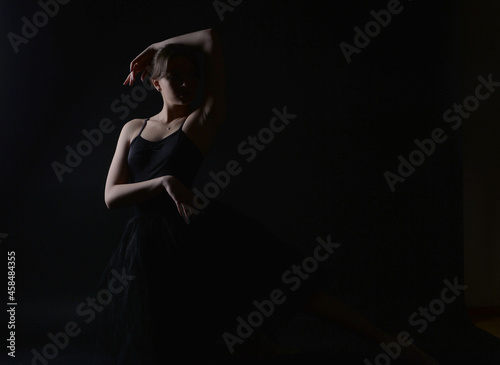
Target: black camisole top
column 173, row 155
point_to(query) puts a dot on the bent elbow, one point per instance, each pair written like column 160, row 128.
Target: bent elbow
column 109, row 201
column 210, row 33
column 211, row 40
column 109, row 204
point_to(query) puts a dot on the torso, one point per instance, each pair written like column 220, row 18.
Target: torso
column 155, row 131
column 153, row 155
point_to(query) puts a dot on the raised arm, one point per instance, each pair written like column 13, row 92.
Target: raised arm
column 213, row 107
column 211, row 113
column 204, row 122
column 201, row 125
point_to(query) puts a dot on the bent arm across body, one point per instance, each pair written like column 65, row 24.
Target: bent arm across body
column 119, row 192
column 200, row 126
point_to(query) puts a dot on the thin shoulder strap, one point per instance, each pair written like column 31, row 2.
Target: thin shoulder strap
column 184, row 121
column 143, row 126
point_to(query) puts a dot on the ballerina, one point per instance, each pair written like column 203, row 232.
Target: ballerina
column 169, row 244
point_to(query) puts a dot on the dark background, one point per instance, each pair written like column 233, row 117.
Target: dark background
column 322, row 175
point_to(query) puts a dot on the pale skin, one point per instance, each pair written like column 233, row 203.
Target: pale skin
column 201, row 126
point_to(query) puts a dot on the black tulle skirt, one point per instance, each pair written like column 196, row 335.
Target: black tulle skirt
column 196, row 290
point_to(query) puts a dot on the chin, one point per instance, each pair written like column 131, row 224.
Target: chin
column 180, row 102
column 185, row 101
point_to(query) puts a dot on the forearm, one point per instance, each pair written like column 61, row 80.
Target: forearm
column 122, row 195
column 201, row 40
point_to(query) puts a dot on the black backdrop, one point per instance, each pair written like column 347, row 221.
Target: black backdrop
column 324, row 174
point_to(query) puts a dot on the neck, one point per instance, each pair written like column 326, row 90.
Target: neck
column 170, row 113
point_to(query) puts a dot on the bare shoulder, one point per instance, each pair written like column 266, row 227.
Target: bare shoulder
column 131, row 129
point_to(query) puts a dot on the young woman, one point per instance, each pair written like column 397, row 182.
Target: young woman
column 193, row 273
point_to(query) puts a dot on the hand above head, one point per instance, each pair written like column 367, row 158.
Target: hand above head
column 141, row 64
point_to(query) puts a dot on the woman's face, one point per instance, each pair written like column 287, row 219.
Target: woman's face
column 180, row 83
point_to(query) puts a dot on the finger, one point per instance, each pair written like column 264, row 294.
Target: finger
column 131, row 78
column 191, row 212
column 132, row 64
column 188, row 211
column 127, row 80
column 184, row 213
column 134, row 71
column 179, row 209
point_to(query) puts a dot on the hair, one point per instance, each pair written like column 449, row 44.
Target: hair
column 172, row 50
